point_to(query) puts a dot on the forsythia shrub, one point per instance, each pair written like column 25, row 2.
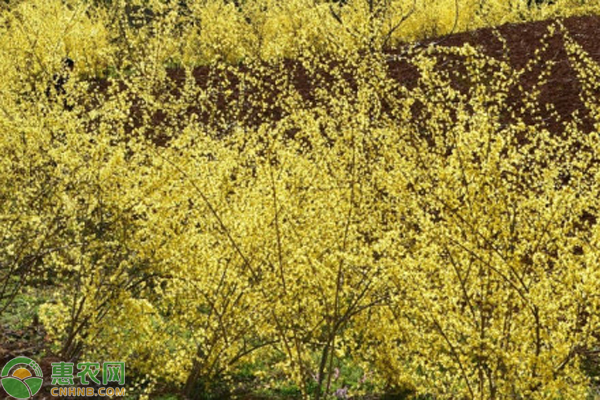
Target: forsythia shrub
column 191, row 225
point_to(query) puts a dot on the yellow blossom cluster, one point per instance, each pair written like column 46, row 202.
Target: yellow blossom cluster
column 191, row 207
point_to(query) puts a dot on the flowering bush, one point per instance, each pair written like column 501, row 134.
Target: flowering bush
column 188, row 221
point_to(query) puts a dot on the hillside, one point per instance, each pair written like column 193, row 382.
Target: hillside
column 417, row 221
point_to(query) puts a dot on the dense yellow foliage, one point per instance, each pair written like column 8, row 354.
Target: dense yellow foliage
column 101, row 33
column 445, row 254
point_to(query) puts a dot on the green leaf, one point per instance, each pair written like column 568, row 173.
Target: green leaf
column 15, row 388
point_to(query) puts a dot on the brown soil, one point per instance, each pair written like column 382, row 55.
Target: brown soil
column 559, row 99
column 561, row 92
